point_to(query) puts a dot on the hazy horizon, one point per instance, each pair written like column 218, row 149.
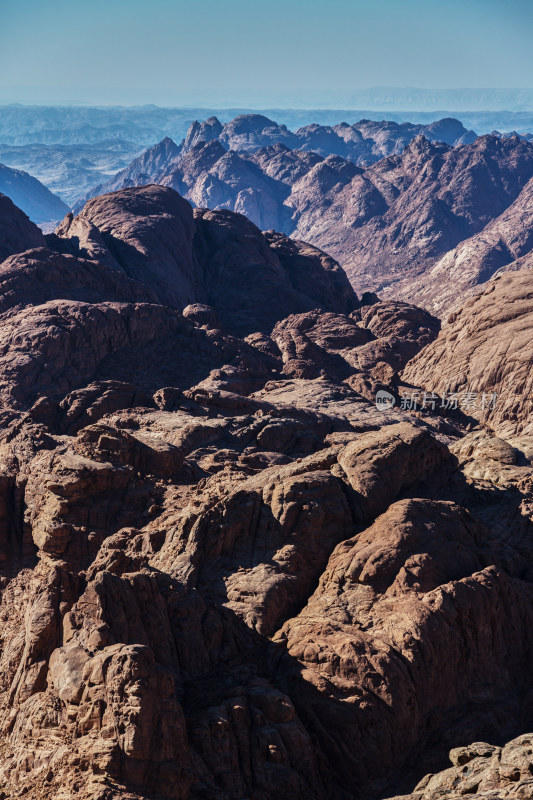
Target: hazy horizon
column 372, row 99
column 281, row 54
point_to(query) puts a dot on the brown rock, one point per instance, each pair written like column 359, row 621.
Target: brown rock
column 485, row 349
column 224, row 572
column 17, row 233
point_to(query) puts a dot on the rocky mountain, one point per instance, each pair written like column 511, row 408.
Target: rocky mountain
column 504, row 244
column 31, row 196
column 393, row 226
column 236, row 558
column 420, row 225
column 482, row 771
column 509, row 134
column 485, row 348
column 140, row 171
column 17, row 232
column 152, row 235
column 363, row 143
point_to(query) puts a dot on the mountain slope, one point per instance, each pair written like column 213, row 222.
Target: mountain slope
column 139, row 172
column 486, row 348
column 505, row 243
column 390, row 225
column 363, row 143
column 31, row 196
column 17, row 233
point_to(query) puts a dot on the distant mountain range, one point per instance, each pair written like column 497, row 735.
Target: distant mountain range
column 390, row 98
column 146, row 125
column 31, row 196
column 363, row 143
column 377, row 98
column 68, row 170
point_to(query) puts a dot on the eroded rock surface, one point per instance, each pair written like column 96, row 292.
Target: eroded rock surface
column 486, row 349
column 227, row 573
column 215, row 258
column 484, row 771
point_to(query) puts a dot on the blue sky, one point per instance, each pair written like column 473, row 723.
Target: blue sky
column 170, row 51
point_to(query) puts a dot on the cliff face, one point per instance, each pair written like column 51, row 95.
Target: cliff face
column 226, row 571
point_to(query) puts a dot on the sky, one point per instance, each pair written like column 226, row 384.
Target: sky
column 260, row 52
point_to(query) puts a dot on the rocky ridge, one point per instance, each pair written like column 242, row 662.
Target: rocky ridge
column 362, row 143
column 417, row 222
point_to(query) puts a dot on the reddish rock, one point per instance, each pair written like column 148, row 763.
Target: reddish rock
column 227, row 572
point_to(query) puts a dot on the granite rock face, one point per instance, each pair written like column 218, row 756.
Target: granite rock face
column 226, row 572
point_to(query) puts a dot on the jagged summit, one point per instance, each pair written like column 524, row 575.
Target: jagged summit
column 202, row 132
column 362, row 143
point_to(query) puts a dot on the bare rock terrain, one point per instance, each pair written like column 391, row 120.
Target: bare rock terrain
column 17, row 232
column 226, row 572
column 486, row 348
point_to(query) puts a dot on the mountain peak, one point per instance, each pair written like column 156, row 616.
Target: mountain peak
column 202, row 132
column 421, row 145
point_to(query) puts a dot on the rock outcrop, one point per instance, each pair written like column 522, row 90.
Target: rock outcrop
column 17, row 233
column 252, row 280
column 484, row 771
